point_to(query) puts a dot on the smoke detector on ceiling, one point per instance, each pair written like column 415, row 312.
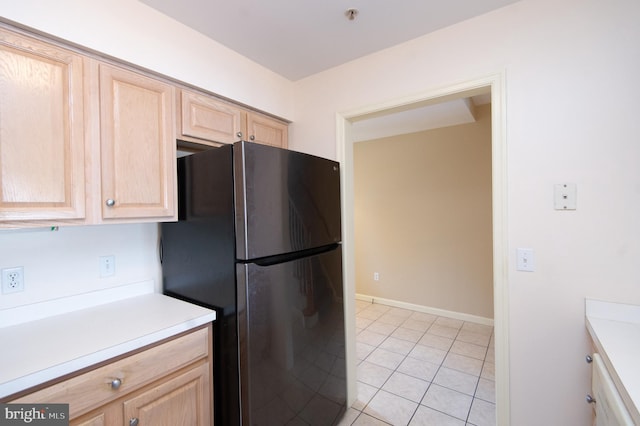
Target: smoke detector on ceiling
column 351, row 13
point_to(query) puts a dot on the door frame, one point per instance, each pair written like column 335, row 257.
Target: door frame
column 495, row 84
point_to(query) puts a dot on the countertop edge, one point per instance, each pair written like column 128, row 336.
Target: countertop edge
column 196, row 316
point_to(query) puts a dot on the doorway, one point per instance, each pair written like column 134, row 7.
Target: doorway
column 344, row 147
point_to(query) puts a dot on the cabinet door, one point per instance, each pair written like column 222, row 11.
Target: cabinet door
column 95, row 420
column 41, row 131
column 183, row 400
column 109, row 414
column 266, row 130
column 208, row 119
column 137, row 146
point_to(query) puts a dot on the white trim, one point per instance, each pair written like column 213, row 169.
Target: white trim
column 426, row 309
column 344, row 150
column 500, row 248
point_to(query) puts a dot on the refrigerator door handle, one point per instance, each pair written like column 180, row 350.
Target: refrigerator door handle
column 160, row 250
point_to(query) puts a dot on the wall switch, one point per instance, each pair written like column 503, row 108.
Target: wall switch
column 376, row 276
column 525, row 260
column 12, row 280
column 565, row 196
column 107, row 266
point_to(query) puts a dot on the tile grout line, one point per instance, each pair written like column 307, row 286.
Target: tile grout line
column 405, row 356
column 430, row 382
column 393, row 371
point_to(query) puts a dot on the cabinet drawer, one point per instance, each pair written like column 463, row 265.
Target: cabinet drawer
column 94, row 388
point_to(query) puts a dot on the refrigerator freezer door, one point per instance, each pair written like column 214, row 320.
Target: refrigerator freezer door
column 291, row 329
column 286, row 201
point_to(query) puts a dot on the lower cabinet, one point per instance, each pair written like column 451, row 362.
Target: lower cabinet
column 166, row 384
column 608, row 407
column 179, row 401
column 97, row 420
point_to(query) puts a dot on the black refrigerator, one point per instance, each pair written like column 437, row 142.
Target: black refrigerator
column 258, row 240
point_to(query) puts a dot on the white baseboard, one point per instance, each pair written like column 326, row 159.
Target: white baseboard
column 426, row 309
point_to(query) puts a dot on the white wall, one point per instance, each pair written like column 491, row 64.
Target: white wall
column 65, row 263
column 571, row 71
column 134, row 32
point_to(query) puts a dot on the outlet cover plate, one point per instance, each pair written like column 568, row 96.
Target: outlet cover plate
column 107, row 266
column 12, row 280
column 565, row 196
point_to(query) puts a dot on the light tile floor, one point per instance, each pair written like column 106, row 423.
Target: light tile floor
column 421, row 369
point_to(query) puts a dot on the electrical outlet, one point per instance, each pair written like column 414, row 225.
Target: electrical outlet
column 12, row 280
column 107, row 266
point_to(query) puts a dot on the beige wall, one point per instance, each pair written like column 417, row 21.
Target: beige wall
column 423, row 217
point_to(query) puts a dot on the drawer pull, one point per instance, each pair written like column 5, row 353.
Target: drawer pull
column 590, row 399
column 133, row 422
column 115, row 384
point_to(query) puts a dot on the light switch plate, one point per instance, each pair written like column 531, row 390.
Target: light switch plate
column 525, row 260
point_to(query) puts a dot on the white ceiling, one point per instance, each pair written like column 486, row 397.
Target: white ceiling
column 298, row 38
column 443, row 114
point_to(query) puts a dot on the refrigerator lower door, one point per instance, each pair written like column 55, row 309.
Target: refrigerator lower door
column 292, row 345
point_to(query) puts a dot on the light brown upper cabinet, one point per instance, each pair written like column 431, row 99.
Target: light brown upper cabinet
column 41, row 131
column 137, row 146
column 85, row 139
column 265, row 130
column 210, row 121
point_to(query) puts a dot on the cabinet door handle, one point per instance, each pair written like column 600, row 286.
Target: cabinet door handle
column 133, row 422
column 252, row 137
column 239, row 134
column 110, row 202
column 589, row 359
column 590, row 399
column 115, row 383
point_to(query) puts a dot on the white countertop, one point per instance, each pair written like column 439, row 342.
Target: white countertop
column 50, row 347
column 615, row 330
